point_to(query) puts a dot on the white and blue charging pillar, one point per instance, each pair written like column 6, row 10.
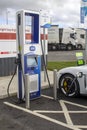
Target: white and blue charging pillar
column 29, row 51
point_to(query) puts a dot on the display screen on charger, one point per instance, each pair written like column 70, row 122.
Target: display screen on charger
column 31, row 61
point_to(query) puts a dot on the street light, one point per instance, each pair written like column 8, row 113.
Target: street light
column 7, row 16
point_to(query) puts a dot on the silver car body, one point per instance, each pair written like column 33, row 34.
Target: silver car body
column 74, row 70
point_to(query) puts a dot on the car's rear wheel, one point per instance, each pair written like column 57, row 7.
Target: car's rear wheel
column 79, row 47
column 69, row 85
column 69, row 47
column 54, row 48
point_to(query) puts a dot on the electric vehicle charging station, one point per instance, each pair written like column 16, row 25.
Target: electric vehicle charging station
column 29, row 51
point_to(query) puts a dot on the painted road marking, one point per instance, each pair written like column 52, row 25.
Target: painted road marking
column 45, row 111
column 66, row 114
column 81, row 126
column 75, row 104
column 47, row 96
column 42, row 116
column 65, row 111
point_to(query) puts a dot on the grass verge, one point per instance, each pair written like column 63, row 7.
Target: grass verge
column 59, row 65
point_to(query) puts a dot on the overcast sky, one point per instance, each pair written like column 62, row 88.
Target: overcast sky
column 65, row 13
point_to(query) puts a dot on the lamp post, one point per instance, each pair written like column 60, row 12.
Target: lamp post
column 7, row 17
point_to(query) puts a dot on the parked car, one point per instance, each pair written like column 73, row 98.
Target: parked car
column 72, row 81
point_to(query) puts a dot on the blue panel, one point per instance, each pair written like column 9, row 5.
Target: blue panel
column 35, row 27
column 85, row 10
column 82, row 14
column 37, row 93
column 48, row 25
column 31, row 71
column 84, row 0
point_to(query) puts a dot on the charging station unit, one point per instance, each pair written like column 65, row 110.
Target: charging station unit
column 29, row 51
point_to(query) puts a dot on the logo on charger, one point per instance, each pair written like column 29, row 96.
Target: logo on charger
column 32, row 48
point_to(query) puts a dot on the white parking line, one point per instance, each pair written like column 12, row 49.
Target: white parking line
column 72, row 112
column 42, row 116
column 81, row 126
column 66, row 114
column 77, row 112
column 42, row 111
column 75, row 104
column 47, row 96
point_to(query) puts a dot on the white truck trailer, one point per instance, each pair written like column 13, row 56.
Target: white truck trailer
column 65, row 38
column 8, row 47
column 60, row 38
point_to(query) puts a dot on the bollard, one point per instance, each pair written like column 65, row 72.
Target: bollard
column 55, row 84
column 27, row 91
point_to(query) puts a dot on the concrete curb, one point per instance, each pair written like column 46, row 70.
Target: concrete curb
column 4, row 81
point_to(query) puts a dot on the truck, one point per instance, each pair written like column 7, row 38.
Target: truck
column 80, row 35
column 61, row 38
column 65, row 38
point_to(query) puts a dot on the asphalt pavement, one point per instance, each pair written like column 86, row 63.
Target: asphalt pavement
column 45, row 113
column 64, row 55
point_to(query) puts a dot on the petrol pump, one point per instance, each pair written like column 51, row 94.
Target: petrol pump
column 29, row 51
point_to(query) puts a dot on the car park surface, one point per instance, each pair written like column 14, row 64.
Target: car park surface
column 45, row 113
column 63, row 55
